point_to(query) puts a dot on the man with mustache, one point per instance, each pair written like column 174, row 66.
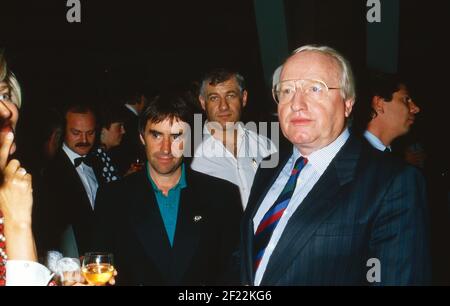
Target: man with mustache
column 166, row 224
column 229, row 150
column 392, row 110
column 334, row 211
column 65, row 210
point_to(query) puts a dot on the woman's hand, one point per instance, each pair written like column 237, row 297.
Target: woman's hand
column 16, row 202
column 16, row 195
column 16, row 198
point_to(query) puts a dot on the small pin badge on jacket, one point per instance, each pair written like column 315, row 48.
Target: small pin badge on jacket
column 197, row 218
column 254, row 164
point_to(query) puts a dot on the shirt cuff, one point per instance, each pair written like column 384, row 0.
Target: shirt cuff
column 27, row 273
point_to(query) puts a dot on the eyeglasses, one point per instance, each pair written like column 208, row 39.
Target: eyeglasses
column 315, row 90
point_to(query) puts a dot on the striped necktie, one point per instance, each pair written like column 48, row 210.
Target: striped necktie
column 273, row 215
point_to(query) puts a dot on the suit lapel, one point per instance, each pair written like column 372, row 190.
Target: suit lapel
column 149, row 226
column 268, row 175
column 76, row 208
column 187, row 232
column 75, row 181
column 315, row 208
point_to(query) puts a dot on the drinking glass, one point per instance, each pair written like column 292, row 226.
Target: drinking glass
column 98, row 268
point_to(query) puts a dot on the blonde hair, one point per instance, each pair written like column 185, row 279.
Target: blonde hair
column 10, row 79
column 3, row 67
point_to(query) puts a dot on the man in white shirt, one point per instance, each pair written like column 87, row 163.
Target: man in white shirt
column 229, row 150
column 65, row 211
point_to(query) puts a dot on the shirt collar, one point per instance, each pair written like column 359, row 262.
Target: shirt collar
column 131, row 109
column 375, row 141
column 322, row 158
column 71, row 154
column 181, row 183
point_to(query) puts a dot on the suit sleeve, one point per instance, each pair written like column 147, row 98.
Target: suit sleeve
column 105, row 218
column 230, row 216
column 399, row 238
column 50, row 214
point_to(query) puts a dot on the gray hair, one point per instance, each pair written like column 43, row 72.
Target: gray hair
column 276, row 76
column 347, row 82
column 221, row 75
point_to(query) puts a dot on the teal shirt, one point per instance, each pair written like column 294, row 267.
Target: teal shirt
column 168, row 205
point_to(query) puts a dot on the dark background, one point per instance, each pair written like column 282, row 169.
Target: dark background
column 168, row 44
column 161, row 44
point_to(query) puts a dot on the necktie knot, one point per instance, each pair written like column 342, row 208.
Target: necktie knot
column 299, row 164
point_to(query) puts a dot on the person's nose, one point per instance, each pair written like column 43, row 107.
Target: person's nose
column 166, row 146
column 414, row 108
column 84, row 137
column 223, row 104
column 122, row 130
column 298, row 100
column 5, row 112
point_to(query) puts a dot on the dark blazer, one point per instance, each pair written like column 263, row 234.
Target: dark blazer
column 365, row 205
column 131, row 147
column 63, row 202
column 129, row 224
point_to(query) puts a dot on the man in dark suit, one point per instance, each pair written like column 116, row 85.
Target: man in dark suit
column 65, row 209
column 130, row 150
column 334, row 211
column 167, row 224
column 386, row 112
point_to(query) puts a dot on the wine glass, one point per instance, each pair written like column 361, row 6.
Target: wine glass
column 97, row 268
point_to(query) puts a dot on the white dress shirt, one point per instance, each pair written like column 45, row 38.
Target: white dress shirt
column 27, row 273
column 375, row 141
column 318, row 162
column 86, row 175
column 212, row 158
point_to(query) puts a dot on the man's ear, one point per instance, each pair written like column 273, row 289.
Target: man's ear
column 142, row 139
column 202, row 102
column 378, row 104
column 348, row 107
column 244, row 98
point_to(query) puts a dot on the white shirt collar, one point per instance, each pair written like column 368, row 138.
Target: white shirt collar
column 321, row 159
column 131, row 109
column 375, row 141
column 71, row 154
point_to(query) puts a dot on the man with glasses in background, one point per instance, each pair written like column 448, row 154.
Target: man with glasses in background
column 335, row 211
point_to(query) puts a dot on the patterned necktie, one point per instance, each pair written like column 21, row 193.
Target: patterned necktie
column 273, row 215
